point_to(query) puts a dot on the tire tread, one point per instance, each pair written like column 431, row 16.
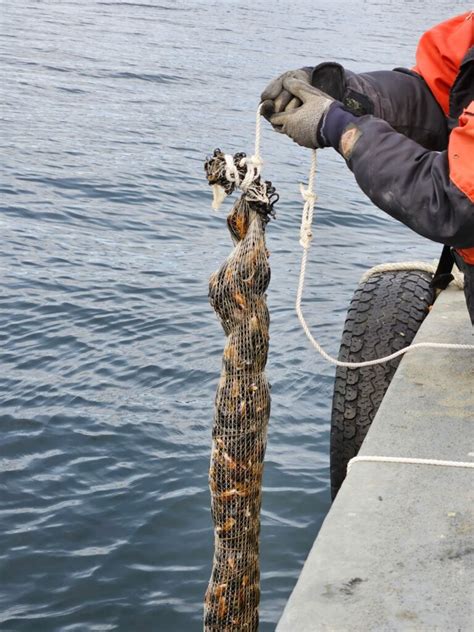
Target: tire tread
column 384, row 316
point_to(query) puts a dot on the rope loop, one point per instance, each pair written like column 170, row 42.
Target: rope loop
column 231, row 171
column 254, row 167
column 309, row 197
column 458, row 280
column 306, row 234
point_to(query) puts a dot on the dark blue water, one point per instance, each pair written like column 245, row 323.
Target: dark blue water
column 110, row 353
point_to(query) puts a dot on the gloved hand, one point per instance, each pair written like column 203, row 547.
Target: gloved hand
column 276, row 99
column 399, row 97
column 301, row 123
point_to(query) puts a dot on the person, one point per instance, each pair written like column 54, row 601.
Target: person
column 407, row 135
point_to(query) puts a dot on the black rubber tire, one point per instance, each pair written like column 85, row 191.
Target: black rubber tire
column 385, row 313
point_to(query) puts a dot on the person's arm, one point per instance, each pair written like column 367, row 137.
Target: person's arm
column 431, row 192
column 411, row 183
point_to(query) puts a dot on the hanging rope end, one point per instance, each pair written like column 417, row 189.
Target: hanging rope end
column 218, row 196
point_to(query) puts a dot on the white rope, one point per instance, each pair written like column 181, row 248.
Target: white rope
column 393, row 267
column 458, row 280
column 218, row 196
column 310, row 197
column 407, row 460
column 356, row 365
column 308, row 211
column 231, row 171
column 254, row 165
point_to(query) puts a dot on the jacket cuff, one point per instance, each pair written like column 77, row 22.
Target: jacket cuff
column 333, row 124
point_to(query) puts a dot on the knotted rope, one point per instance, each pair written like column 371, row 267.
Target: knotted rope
column 309, row 197
column 305, row 241
column 250, row 167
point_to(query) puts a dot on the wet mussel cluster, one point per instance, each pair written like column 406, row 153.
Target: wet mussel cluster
column 242, row 408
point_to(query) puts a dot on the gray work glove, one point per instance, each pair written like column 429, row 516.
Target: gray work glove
column 276, row 99
column 301, row 123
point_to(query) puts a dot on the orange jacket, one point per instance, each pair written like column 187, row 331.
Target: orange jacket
column 439, row 56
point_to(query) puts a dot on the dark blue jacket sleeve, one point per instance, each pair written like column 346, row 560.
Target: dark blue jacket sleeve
column 411, row 183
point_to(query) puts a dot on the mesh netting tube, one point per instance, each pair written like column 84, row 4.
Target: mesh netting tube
column 242, row 403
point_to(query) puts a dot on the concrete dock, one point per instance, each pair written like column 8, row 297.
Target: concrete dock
column 396, row 550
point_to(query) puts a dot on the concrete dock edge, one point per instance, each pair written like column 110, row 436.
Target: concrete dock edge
column 396, row 550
